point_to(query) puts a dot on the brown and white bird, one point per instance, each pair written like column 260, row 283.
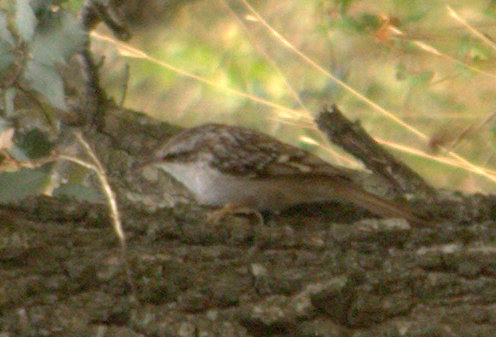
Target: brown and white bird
column 230, row 165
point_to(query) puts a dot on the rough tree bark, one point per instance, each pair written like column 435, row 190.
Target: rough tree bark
column 302, row 274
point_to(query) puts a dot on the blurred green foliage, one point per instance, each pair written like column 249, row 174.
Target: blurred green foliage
column 376, row 47
column 412, row 58
column 36, row 39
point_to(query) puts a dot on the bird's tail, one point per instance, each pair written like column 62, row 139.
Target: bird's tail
column 378, row 205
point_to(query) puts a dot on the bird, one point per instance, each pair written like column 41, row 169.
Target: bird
column 239, row 168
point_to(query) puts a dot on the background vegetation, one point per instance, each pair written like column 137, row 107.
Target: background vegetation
column 430, row 64
column 418, row 75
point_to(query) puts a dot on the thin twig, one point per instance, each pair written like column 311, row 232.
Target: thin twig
column 353, row 138
column 102, row 177
column 98, row 168
column 124, row 86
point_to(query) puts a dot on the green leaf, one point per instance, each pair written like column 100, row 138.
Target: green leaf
column 22, row 183
column 57, row 38
column 5, row 34
column 34, row 143
column 9, row 97
column 47, row 81
column 6, row 57
column 6, row 44
column 25, row 20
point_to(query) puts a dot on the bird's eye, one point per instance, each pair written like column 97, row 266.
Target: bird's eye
column 169, row 156
column 173, row 156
